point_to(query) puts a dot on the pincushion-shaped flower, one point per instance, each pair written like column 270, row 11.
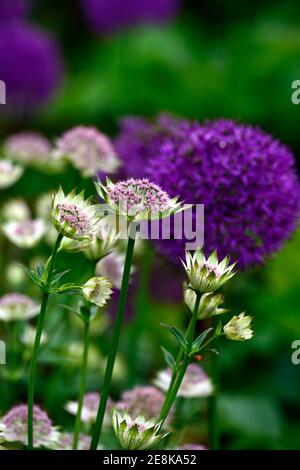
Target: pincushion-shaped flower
column 207, row 275
column 97, row 290
column 245, row 178
column 73, row 216
column 24, row 233
column 144, row 401
column 65, row 441
column 27, row 148
column 15, row 209
column 239, row 328
column 90, row 408
column 138, row 199
column 15, row 306
column 136, row 434
column 209, row 303
column 14, row 427
column 111, row 267
column 88, row 150
column 9, row 173
column 195, row 383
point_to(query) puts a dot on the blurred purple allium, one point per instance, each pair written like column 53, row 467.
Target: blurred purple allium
column 12, row 10
column 245, row 178
column 107, row 17
column 31, row 67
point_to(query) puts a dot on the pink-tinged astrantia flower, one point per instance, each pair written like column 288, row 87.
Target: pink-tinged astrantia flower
column 15, row 306
column 195, row 383
column 65, row 441
column 24, row 233
column 15, row 209
column 90, row 408
column 138, row 199
column 28, row 148
column 239, row 328
column 97, row 290
column 88, row 150
column 9, row 173
column 14, row 427
column 245, row 178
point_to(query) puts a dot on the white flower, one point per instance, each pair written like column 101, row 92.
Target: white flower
column 66, row 442
column 9, row 173
column 90, row 408
column 195, row 383
column 238, row 328
column 28, row 148
column 207, row 275
column 104, row 241
column 15, row 209
column 97, row 290
column 73, row 216
column 209, row 303
column 111, row 267
column 15, row 306
column 28, row 336
column 136, row 434
column 24, row 233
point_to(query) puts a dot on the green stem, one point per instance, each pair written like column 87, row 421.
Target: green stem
column 213, row 425
column 37, row 341
column 82, row 384
column 114, row 345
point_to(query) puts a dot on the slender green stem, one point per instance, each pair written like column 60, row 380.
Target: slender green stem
column 82, row 383
column 114, row 345
column 213, row 425
column 37, row 341
column 181, row 368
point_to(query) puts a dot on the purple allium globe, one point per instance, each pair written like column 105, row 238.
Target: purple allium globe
column 12, row 10
column 107, row 17
column 31, row 66
column 245, row 178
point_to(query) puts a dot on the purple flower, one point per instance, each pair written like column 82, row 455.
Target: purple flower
column 107, row 17
column 12, row 10
column 245, row 178
column 31, row 66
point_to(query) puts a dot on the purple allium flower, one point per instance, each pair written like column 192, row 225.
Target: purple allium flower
column 27, row 147
column 12, row 10
column 90, row 407
column 245, row 178
column 14, row 427
column 66, row 441
column 144, row 401
column 195, row 383
column 30, row 66
column 107, row 17
column 192, row 447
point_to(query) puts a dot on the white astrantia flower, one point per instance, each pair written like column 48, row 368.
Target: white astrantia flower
column 209, row 303
column 97, row 290
column 90, row 406
column 112, row 267
column 195, row 383
column 24, row 233
column 65, row 442
column 239, row 328
column 9, row 173
column 15, row 209
column 28, row 336
column 207, row 275
column 136, row 434
column 28, row 148
column 15, row 306
column 104, row 241
column 73, row 216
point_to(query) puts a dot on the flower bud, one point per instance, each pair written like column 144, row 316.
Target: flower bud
column 97, row 290
column 238, row 328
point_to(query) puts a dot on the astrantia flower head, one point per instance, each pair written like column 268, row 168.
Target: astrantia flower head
column 14, row 427
column 97, row 290
column 138, row 199
column 239, row 328
column 245, row 178
column 88, row 150
column 27, row 148
column 28, row 335
column 15, row 306
column 195, row 383
column 15, row 209
column 73, row 216
column 209, row 303
column 24, row 233
column 90, row 407
column 207, row 275
column 9, row 173
column 65, row 441
column 136, row 434
column 144, row 401
column 111, row 267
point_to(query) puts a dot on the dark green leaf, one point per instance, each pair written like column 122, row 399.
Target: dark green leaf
column 177, row 334
column 168, row 358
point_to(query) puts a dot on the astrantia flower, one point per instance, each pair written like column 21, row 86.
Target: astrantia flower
column 209, row 303
column 65, row 441
column 111, row 267
column 73, row 216
column 192, row 447
column 88, row 150
column 30, row 66
column 97, row 290
column 12, row 10
column 136, row 434
column 14, row 427
column 138, row 199
column 245, row 178
column 144, row 401
column 15, row 209
column 107, row 17
column 24, row 233
column 104, row 240
column 195, row 383
column 9, row 173
column 207, row 275
column 28, row 336
column 15, row 306
column 27, row 148
column 90, row 407
column 239, row 328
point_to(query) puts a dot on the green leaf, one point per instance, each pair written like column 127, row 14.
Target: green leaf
column 177, row 334
column 198, row 341
column 168, row 358
column 219, row 329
